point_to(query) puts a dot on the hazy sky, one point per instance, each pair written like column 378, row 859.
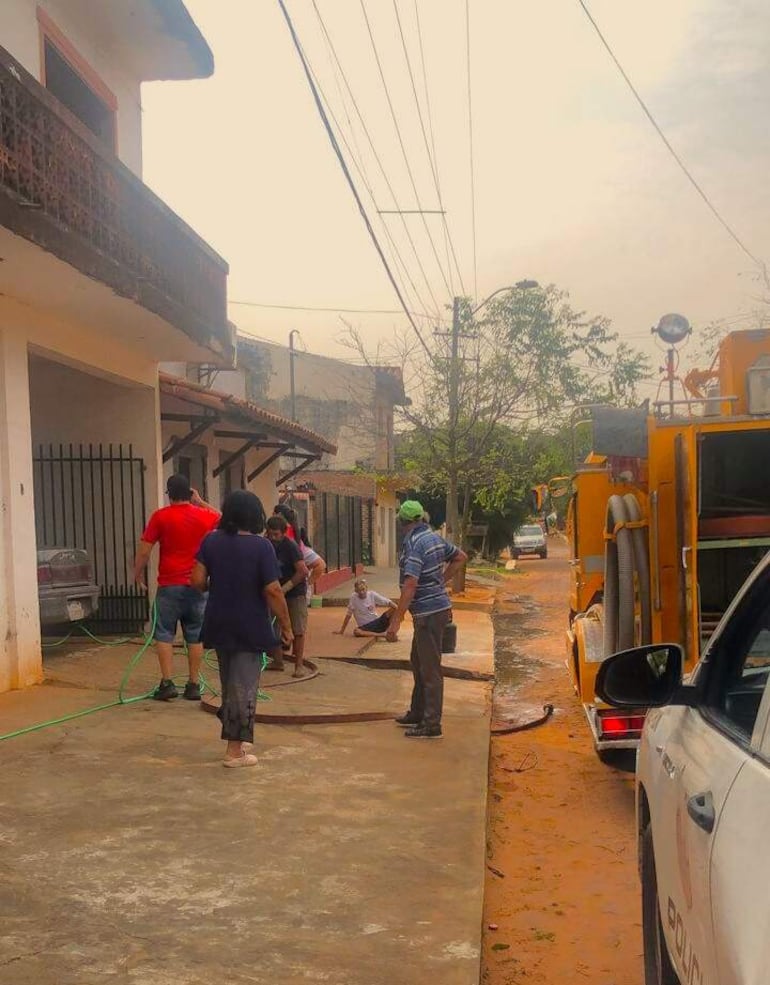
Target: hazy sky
column 572, row 184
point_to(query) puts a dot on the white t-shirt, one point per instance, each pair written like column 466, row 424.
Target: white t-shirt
column 309, row 556
column 364, row 610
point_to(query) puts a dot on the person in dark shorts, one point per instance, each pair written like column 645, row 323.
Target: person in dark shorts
column 240, row 571
column 178, row 529
column 363, row 608
column 294, row 574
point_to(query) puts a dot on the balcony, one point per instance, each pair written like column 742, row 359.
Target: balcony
column 61, row 190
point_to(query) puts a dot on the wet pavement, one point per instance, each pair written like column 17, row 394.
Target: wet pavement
column 514, row 664
column 350, row 855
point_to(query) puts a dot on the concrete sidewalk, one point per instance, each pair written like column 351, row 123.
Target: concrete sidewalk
column 381, row 580
column 351, row 855
column 477, row 597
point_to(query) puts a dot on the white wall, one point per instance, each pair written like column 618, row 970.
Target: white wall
column 97, row 411
column 116, row 401
column 325, row 379
column 99, row 414
column 20, row 660
column 263, row 485
column 20, row 34
column 385, row 530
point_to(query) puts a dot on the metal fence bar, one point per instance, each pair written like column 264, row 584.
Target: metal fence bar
column 73, row 483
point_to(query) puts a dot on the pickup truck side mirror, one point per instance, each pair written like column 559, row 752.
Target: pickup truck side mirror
column 645, row 677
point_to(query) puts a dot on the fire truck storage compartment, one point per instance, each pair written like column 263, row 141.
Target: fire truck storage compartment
column 734, row 475
column 733, row 516
column 721, row 572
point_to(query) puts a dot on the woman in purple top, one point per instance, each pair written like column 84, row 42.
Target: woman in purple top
column 240, row 571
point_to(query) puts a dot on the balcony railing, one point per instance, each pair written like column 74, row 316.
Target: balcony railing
column 60, row 188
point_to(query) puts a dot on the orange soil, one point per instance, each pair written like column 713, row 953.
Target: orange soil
column 566, row 901
column 475, row 593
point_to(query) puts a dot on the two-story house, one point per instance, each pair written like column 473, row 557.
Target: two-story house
column 99, row 282
column 347, row 500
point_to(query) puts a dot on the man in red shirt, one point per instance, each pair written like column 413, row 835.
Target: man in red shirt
column 179, row 529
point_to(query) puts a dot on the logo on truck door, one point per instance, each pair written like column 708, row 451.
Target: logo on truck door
column 688, row 960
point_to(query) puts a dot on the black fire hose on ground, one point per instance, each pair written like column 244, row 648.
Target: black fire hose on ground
column 211, row 704
column 525, row 726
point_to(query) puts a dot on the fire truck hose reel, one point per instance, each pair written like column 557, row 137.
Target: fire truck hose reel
column 618, row 580
column 637, row 527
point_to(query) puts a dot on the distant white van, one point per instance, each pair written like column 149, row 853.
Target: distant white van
column 529, row 539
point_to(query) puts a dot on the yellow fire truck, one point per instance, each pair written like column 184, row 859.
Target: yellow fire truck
column 667, row 516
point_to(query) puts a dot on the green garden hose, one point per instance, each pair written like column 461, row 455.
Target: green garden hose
column 121, row 698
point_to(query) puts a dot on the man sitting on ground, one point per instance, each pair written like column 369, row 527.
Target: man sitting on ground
column 363, row 607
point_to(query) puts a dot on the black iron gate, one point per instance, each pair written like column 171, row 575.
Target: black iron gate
column 339, row 530
column 92, row 497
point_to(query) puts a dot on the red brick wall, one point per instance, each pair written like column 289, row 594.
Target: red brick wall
column 332, row 579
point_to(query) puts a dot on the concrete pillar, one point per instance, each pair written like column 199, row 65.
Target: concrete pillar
column 20, row 653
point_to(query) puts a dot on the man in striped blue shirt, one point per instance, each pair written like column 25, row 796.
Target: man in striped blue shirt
column 427, row 563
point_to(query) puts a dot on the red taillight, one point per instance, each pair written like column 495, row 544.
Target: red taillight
column 621, row 726
column 44, row 574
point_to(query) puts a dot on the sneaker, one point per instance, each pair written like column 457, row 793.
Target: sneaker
column 406, row 720
column 166, row 691
column 245, row 759
column 192, row 692
column 424, row 732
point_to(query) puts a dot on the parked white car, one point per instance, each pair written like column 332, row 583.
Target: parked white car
column 703, row 797
column 529, row 539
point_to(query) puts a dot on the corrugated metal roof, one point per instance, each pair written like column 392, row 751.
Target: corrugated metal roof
column 244, row 410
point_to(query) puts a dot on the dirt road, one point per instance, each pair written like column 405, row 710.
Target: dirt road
column 562, row 894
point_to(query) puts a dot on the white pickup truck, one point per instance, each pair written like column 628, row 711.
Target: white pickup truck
column 703, row 797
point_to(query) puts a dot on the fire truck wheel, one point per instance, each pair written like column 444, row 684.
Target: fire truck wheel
column 658, row 969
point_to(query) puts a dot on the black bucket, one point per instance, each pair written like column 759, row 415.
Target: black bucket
column 449, row 638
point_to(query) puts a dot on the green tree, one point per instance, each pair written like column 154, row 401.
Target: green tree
column 520, row 370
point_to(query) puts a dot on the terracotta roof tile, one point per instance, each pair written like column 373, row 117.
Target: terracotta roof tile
column 245, row 410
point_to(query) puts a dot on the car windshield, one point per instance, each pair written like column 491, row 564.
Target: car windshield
column 529, row 531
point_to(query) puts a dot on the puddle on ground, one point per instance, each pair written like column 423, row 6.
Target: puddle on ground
column 512, row 665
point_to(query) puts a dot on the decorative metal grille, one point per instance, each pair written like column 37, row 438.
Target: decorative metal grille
column 52, row 164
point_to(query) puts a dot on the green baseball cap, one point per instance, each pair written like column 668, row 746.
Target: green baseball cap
column 411, row 510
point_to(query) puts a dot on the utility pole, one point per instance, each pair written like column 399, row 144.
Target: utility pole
column 452, row 511
column 452, row 506
column 292, row 357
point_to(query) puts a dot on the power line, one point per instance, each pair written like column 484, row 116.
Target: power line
column 712, row 208
column 431, row 162
column 401, row 143
column 377, row 158
column 348, row 311
column 349, row 361
column 447, row 238
column 346, row 172
column 470, row 141
column 360, row 167
column 430, row 147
